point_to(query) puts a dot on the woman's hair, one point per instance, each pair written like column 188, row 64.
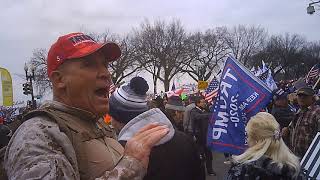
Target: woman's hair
column 263, row 132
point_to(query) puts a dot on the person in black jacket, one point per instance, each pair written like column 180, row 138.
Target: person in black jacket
column 281, row 109
column 175, row 157
column 200, row 120
column 174, row 110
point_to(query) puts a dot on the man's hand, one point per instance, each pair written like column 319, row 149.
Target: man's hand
column 139, row 146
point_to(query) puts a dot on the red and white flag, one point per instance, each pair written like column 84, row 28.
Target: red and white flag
column 176, row 92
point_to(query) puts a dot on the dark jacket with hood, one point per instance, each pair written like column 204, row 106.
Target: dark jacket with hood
column 174, row 157
column 262, row 169
column 200, row 120
column 283, row 115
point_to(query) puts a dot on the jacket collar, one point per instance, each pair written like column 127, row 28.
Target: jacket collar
column 311, row 107
column 80, row 113
column 199, row 108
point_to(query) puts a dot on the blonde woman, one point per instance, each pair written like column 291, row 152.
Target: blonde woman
column 267, row 156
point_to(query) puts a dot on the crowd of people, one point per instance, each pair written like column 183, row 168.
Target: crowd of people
column 166, row 138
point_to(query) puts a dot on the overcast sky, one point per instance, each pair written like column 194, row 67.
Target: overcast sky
column 29, row 24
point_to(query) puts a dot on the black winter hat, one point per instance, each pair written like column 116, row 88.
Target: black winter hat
column 129, row 100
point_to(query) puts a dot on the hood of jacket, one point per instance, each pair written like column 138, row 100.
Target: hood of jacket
column 150, row 116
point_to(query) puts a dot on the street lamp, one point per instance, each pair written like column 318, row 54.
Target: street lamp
column 310, row 8
column 201, row 72
column 25, row 67
column 27, row 87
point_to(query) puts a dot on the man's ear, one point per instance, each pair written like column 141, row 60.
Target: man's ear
column 58, row 79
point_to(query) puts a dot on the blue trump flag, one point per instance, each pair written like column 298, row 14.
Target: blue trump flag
column 241, row 95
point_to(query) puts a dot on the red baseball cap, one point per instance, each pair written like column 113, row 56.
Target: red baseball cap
column 77, row 45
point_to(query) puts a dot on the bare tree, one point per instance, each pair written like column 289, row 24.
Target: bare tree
column 39, row 60
column 160, row 48
column 104, row 36
column 285, row 53
column 126, row 65
column 312, row 54
column 244, row 41
column 206, row 51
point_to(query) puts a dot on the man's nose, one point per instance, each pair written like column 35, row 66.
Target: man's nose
column 104, row 73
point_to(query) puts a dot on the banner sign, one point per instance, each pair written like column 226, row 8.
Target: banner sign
column 6, row 88
column 202, row 85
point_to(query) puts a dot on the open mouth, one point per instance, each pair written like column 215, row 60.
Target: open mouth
column 102, row 92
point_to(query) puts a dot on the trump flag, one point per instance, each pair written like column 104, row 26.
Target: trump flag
column 241, row 95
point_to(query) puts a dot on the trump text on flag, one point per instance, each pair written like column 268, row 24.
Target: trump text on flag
column 240, row 96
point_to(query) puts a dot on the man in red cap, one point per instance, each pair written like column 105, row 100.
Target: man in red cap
column 63, row 139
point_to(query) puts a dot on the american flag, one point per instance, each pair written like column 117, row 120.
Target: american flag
column 264, row 76
column 313, row 73
column 212, row 90
column 311, row 158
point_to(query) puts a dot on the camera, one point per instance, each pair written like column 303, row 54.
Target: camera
column 310, row 9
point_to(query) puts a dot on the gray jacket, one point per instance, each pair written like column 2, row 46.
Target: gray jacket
column 187, row 122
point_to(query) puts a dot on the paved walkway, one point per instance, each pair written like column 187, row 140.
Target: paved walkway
column 219, row 167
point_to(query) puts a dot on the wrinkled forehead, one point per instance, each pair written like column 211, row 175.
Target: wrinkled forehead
column 96, row 57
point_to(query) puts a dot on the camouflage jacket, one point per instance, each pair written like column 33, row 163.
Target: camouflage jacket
column 39, row 150
column 303, row 129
